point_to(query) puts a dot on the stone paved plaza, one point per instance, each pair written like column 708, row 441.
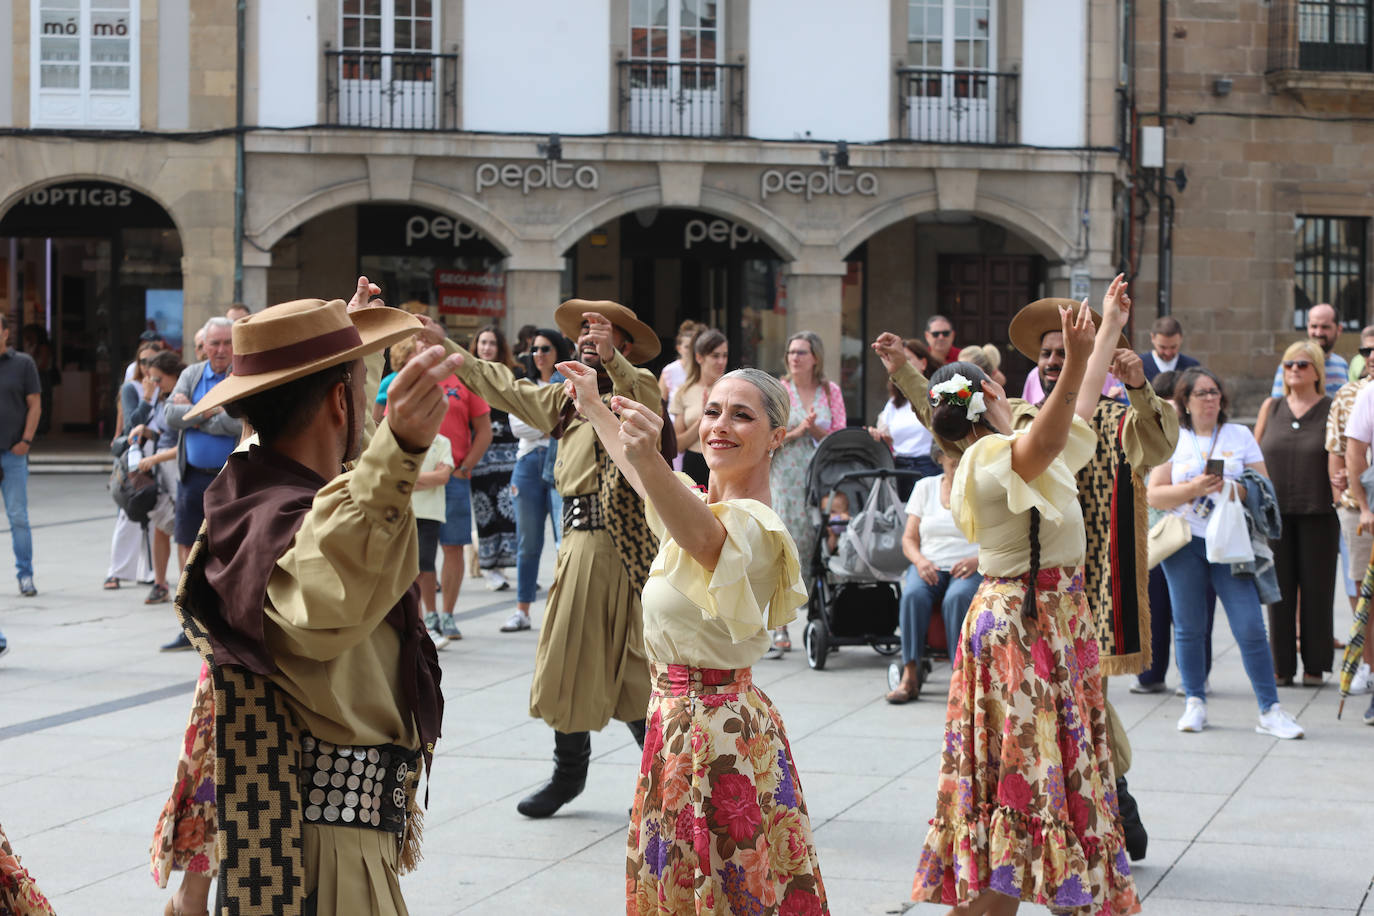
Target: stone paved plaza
column 91, row 716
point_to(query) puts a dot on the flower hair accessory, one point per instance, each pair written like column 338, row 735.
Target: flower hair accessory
column 960, row 391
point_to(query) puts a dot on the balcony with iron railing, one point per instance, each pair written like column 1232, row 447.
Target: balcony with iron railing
column 680, row 99
column 1321, row 45
column 396, row 90
column 958, row 106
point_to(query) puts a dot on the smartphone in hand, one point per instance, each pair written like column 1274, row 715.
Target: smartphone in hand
column 1216, row 467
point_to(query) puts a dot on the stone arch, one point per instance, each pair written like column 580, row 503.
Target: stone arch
column 1045, row 238
column 769, row 227
column 48, row 181
column 359, row 191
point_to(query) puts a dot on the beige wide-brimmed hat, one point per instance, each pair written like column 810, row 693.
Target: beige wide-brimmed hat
column 1039, row 318
column 291, row 340
column 644, row 344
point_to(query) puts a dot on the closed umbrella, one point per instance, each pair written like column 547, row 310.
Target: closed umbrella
column 1354, row 645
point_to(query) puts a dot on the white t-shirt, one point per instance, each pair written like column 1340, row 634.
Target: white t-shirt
column 1361, row 423
column 910, row 439
column 941, row 540
column 530, row 438
column 674, row 374
column 431, row 503
column 1235, row 445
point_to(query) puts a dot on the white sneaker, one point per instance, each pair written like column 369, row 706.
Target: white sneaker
column 439, row 639
column 1361, row 682
column 495, row 581
column 516, row 622
column 1277, row 722
column 1194, row 718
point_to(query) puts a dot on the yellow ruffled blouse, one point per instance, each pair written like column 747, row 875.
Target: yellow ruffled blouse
column 721, row 618
column 991, row 504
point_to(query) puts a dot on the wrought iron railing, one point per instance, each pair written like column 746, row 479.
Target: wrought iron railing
column 958, row 106
column 400, row 90
column 1332, row 35
column 680, row 99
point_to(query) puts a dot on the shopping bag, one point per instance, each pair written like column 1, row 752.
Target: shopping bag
column 1228, row 535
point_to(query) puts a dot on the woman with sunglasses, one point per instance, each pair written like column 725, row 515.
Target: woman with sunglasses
column 1292, row 435
column 129, row 556
column 1185, row 487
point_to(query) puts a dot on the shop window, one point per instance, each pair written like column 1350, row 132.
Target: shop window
column 1329, row 266
column 387, row 71
column 675, row 81
column 84, row 69
column 952, row 92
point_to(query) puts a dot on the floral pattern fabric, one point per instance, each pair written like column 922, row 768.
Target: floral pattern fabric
column 493, row 501
column 719, row 825
column 19, row 893
column 184, row 838
column 1026, row 804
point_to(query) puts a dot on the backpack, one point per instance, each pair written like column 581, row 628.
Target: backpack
column 135, row 492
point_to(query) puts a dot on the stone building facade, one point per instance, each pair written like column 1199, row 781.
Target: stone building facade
column 1271, row 115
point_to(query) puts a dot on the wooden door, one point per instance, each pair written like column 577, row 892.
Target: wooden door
column 980, row 294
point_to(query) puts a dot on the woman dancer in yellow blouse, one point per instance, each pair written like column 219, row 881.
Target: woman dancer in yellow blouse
column 719, row 824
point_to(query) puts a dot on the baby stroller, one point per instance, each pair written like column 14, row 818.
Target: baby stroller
column 855, row 590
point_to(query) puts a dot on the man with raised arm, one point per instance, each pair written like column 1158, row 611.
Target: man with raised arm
column 590, row 665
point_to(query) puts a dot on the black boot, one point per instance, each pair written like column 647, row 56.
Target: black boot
column 637, row 729
column 572, row 752
column 1131, row 827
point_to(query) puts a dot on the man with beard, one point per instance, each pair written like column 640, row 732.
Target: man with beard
column 299, row 596
column 1131, row 439
column 1324, row 330
column 590, row 665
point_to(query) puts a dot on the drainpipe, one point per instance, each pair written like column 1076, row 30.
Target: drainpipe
column 1166, row 201
column 238, row 153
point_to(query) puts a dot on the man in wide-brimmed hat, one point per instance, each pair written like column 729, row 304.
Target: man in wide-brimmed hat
column 298, row 594
column 1131, row 439
column 590, row 665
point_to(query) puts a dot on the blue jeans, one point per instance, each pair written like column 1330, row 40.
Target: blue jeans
column 1188, row 574
column 457, row 527
column 918, row 604
column 15, row 489
column 535, row 500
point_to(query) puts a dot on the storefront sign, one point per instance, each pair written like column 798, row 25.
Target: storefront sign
column 719, row 231
column 471, row 292
column 813, row 182
column 89, row 207
column 392, row 229
column 551, row 174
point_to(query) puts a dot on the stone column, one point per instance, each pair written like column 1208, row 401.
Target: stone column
column 814, row 291
column 255, row 267
column 531, row 296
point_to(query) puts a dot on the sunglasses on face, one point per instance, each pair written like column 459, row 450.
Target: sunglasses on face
column 541, row 349
column 1294, row 364
column 945, row 333
column 1365, row 351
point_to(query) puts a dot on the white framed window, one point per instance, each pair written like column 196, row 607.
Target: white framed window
column 950, row 81
column 675, row 71
column 389, row 68
column 84, row 64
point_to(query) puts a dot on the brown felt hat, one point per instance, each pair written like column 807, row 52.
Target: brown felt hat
column 1039, row 318
column 290, row 341
column 644, row 344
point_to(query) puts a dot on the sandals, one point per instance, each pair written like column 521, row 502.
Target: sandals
column 111, row 583
column 781, row 640
column 157, row 595
column 903, row 694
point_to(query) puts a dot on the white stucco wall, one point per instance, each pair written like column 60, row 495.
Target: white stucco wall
column 288, row 68
column 536, row 66
column 819, row 66
column 1053, row 74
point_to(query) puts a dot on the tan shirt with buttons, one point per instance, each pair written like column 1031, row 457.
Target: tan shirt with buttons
column 541, row 405
column 353, row 558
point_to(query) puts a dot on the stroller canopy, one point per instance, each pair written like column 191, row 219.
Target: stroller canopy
column 839, row 453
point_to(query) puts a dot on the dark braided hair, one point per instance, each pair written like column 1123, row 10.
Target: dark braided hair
column 1029, row 608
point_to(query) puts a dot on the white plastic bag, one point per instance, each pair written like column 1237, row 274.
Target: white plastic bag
column 1228, row 535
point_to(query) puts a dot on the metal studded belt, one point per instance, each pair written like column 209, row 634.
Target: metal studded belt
column 356, row 786
column 582, row 513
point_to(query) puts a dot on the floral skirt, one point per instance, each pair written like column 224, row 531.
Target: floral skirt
column 184, row 838
column 19, row 893
column 719, row 824
column 1026, row 804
